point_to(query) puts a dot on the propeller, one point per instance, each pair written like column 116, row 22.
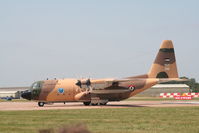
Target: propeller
column 87, row 83
column 79, row 83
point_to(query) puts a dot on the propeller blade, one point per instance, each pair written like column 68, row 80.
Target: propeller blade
column 79, row 83
column 88, row 82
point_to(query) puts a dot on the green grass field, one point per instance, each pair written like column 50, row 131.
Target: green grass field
column 126, row 120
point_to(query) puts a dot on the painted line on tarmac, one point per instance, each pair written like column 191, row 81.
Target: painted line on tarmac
column 181, row 103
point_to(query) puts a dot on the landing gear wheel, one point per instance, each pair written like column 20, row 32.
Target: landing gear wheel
column 41, row 104
column 87, row 103
column 103, row 103
column 94, row 104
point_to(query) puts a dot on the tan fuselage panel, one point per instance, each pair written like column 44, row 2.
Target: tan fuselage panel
column 63, row 90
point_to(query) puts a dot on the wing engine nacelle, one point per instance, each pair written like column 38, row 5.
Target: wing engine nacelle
column 83, row 96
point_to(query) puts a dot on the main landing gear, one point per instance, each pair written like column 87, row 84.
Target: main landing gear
column 87, row 103
column 94, row 104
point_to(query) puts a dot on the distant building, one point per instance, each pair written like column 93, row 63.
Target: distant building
column 14, row 92
column 165, row 88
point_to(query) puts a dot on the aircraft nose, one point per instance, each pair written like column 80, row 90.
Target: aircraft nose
column 26, row 95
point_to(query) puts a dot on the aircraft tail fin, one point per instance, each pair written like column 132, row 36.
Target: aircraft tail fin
column 164, row 65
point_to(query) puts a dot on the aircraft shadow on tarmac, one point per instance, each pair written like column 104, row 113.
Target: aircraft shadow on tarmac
column 99, row 106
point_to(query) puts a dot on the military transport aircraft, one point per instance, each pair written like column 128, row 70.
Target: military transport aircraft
column 101, row 91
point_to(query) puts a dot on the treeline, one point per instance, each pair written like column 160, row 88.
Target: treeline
column 194, row 86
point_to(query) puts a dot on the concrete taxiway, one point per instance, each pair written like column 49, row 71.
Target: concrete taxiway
column 122, row 104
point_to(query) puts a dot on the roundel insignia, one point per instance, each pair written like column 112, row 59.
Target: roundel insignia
column 60, row 90
column 132, row 87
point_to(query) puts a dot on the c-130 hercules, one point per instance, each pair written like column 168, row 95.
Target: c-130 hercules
column 101, row 91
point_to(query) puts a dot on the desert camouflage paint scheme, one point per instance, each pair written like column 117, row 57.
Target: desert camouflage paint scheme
column 101, row 91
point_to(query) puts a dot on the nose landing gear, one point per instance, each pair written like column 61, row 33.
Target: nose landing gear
column 41, row 104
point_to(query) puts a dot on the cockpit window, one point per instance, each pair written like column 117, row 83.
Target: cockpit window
column 36, row 85
column 36, row 89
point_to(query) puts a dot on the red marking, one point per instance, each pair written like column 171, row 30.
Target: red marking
column 131, row 86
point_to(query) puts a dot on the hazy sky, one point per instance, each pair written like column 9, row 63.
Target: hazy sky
column 42, row 39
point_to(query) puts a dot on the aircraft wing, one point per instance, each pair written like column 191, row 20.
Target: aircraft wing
column 163, row 80
column 160, row 80
column 109, row 80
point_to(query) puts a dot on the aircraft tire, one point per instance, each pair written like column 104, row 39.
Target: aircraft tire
column 94, row 104
column 87, row 103
column 41, row 104
column 103, row 103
